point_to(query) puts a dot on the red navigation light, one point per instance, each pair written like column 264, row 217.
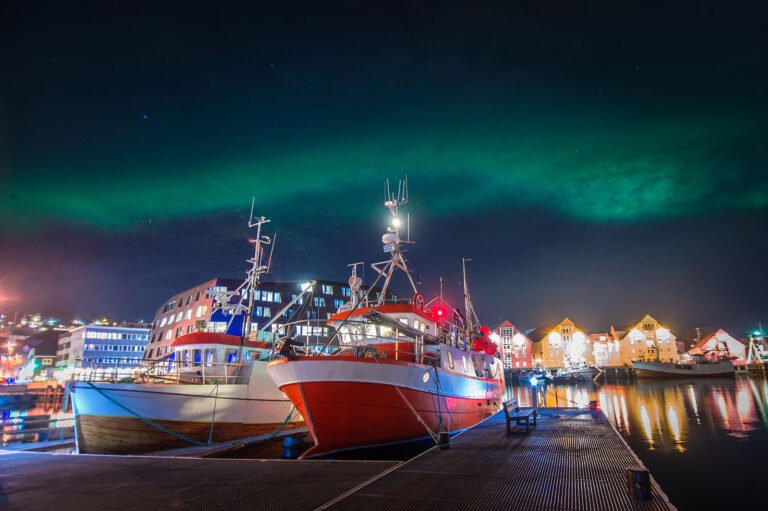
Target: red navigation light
column 439, row 312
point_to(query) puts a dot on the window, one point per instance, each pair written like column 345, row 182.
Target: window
column 266, row 296
column 168, row 334
column 178, row 331
column 210, row 357
column 248, row 355
column 345, row 291
column 179, row 316
column 267, row 312
column 319, row 301
column 188, row 315
column 197, row 296
column 231, row 356
column 149, row 355
column 163, row 322
column 327, row 290
column 197, row 356
column 338, row 302
column 276, row 297
column 450, row 359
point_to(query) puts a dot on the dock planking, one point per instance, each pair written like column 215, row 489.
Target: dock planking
column 573, row 460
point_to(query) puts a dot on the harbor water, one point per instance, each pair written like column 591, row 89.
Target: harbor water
column 705, row 441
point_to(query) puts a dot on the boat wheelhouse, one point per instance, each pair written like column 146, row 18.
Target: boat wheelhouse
column 402, row 370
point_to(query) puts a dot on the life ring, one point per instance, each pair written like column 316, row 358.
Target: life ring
column 418, row 301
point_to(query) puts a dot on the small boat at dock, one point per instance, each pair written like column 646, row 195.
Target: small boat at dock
column 213, row 386
column 699, row 367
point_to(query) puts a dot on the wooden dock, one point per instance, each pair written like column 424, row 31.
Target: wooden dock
column 573, row 460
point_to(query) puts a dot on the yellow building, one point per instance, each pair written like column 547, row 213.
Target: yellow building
column 646, row 340
column 564, row 345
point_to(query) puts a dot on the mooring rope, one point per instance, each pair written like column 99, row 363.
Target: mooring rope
column 144, row 419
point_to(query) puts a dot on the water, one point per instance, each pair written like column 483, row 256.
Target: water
column 35, row 418
column 705, row 441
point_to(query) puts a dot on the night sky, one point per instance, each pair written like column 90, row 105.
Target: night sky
column 596, row 160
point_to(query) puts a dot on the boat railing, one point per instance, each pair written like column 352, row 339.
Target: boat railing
column 167, row 371
column 357, row 339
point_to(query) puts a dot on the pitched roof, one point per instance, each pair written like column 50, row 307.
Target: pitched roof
column 506, row 324
column 44, row 343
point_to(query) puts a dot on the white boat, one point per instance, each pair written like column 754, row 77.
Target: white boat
column 213, row 388
column 698, row 368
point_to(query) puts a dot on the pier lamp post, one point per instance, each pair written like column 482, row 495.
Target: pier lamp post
column 534, row 391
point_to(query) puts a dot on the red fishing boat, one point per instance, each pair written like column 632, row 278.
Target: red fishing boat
column 402, row 370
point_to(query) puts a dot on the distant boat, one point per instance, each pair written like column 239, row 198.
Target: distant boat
column 541, row 375
column 699, row 368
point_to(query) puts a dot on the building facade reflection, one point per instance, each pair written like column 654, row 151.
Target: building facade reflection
column 665, row 414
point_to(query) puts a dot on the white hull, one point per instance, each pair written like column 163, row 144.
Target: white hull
column 177, row 407
column 672, row 370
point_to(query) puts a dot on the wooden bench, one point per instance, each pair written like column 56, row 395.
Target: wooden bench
column 519, row 417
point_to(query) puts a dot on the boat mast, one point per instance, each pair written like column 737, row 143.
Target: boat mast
column 471, row 317
column 252, row 280
column 392, row 242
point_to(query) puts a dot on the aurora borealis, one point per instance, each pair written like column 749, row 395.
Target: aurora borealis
column 625, row 139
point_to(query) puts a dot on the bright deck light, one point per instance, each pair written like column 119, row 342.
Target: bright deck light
column 396, row 222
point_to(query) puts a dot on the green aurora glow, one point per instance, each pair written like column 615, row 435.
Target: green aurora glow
column 583, row 168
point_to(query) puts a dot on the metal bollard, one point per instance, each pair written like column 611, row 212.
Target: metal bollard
column 639, row 483
column 444, row 440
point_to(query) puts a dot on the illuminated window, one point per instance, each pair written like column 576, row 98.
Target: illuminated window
column 327, row 290
column 168, row 334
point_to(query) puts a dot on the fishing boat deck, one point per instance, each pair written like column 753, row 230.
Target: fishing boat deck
column 573, row 460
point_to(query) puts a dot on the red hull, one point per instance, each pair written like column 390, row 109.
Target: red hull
column 344, row 415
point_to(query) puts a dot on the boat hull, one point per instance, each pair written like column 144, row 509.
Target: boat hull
column 124, row 435
column 118, row 418
column 355, row 404
column 662, row 370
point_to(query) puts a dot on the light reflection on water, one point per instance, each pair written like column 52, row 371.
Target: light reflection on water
column 685, row 431
column 663, row 412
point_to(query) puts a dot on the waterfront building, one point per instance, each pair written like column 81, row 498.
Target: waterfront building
column 561, row 346
column 196, row 310
column 38, row 352
column 101, row 349
column 646, row 340
column 515, row 348
column 718, row 343
column 606, row 351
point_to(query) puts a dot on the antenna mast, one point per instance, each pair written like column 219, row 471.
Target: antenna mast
column 252, row 280
column 469, row 310
column 391, row 239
